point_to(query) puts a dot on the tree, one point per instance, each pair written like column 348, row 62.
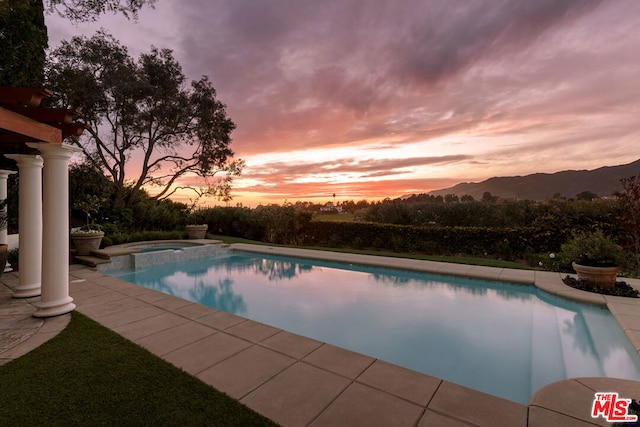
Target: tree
column 23, row 33
column 586, row 195
column 23, row 39
column 89, row 10
column 631, row 211
column 489, row 198
column 142, row 108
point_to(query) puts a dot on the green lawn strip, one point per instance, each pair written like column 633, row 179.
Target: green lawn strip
column 89, row 375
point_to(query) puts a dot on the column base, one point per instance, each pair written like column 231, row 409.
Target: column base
column 54, row 308
column 27, row 291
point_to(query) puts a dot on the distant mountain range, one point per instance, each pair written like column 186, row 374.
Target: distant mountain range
column 603, row 181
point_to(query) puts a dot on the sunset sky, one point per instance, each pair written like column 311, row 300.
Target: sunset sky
column 370, row 99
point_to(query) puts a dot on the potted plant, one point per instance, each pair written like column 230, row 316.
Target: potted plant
column 197, row 231
column 595, row 257
column 88, row 237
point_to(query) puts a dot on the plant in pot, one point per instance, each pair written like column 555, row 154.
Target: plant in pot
column 595, row 257
column 88, row 237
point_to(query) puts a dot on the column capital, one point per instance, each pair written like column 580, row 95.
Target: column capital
column 26, row 160
column 4, row 173
column 60, row 151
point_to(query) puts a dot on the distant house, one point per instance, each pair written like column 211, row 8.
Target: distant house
column 330, row 207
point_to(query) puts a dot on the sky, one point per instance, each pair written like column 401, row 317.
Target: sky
column 368, row 99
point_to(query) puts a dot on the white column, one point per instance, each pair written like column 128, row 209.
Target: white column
column 4, row 174
column 30, row 224
column 55, row 299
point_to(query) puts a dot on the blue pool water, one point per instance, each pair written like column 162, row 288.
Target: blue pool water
column 504, row 339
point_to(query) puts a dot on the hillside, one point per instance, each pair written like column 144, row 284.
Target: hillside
column 603, row 181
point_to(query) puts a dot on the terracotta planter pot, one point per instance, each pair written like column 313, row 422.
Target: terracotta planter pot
column 604, row 277
column 85, row 243
column 197, row 231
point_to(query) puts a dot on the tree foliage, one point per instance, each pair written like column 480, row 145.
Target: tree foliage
column 23, row 40
column 89, row 10
column 142, row 111
column 23, row 34
column 630, row 215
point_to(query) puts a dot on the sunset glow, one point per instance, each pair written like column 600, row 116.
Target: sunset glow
column 374, row 99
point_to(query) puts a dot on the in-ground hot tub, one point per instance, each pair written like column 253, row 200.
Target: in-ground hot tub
column 159, row 252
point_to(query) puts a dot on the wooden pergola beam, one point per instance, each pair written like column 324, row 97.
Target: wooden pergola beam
column 22, row 125
column 29, row 96
column 46, row 115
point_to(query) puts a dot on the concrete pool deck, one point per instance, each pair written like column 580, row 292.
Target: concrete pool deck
column 295, row 380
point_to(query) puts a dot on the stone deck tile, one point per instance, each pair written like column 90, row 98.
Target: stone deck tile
column 628, row 321
column 526, row 277
column 94, row 302
column 434, row 419
column 551, row 287
column 297, row 395
column 340, row 361
column 244, row 372
column 486, row 273
column 541, row 417
column 142, row 323
column 171, row 339
column 108, row 309
column 121, row 286
column 477, row 408
column 171, row 302
column 360, row 405
column 127, row 316
column 252, row 331
column 407, row 384
column 454, row 269
column 150, row 296
column 293, row 345
column 570, row 398
column 207, row 352
column 221, row 320
column 583, row 296
column 626, row 309
column 194, row 311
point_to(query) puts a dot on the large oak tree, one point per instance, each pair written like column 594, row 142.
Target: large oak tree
column 145, row 125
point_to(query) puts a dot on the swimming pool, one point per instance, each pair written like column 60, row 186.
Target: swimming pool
column 503, row 339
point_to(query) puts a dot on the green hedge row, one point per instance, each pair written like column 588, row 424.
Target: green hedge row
column 506, row 243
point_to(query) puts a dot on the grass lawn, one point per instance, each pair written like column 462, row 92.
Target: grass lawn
column 90, row 376
column 334, row 217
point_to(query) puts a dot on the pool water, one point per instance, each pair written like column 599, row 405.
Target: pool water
column 504, row 339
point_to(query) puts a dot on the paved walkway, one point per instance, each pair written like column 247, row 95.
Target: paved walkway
column 297, row 381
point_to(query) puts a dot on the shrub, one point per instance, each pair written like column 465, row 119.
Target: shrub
column 594, row 249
